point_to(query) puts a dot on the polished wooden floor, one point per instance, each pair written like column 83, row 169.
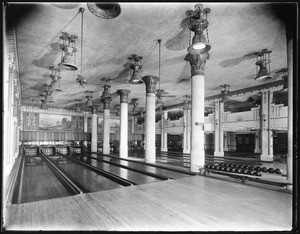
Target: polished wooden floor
column 194, row 203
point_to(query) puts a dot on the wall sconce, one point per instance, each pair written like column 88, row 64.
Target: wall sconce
column 136, row 69
column 263, row 62
column 89, row 96
column 198, row 24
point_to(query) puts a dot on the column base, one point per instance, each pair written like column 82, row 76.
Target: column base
column 257, row 151
column 268, row 158
column 164, row 149
column 186, row 151
column 218, row 153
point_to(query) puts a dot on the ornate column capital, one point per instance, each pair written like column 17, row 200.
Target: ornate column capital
column 150, row 82
column 197, row 62
column 106, row 102
column 123, row 95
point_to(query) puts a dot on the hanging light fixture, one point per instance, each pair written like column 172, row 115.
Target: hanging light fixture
column 43, row 102
column 77, row 108
column 199, row 23
column 105, row 91
column 136, row 69
column 224, row 92
column 48, row 91
column 89, row 96
column 68, row 57
column 81, row 79
column 105, row 10
column 263, row 62
column 54, row 75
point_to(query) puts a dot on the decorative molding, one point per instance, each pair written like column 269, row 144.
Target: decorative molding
column 150, row 82
column 123, row 95
column 53, row 111
column 106, row 103
column 197, row 62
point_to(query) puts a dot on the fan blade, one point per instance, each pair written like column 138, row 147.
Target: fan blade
column 168, row 95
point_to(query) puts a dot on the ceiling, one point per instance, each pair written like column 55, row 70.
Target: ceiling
column 236, row 31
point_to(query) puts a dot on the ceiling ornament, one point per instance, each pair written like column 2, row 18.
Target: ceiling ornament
column 198, row 24
column 105, row 10
column 263, row 63
column 136, row 69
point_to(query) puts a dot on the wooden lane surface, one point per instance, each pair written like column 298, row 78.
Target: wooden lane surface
column 40, row 183
column 187, row 204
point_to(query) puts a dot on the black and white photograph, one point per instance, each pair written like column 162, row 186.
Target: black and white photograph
column 150, row 116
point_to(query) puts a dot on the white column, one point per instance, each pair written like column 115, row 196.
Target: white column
column 106, row 124
column 85, row 127
column 124, row 122
column 226, row 136
column 94, row 130
column 217, row 127
column 150, row 82
column 264, row 126
column 221, row 131
column 197, row 123
column 186, row 130
column 270, row 133
column 164, row 135
column 257, row 148
column 289, row 164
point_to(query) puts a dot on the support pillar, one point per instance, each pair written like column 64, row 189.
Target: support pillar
column 164, row 135
column 217, row 127
column 226, row 136
column 150, row 82
column 85, row 128
column 221, row 131
column 186, row 129
column 265, row 136
column 197, row 62
column 94, row 129
column 124, row 122
column 106, row 124
column 270, row 132
column 257, row 148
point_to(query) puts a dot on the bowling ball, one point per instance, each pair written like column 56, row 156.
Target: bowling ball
column 230, row 165
column 216, row 167
column 251, row 172
column 222, row 168
column 245, row 171
column 239, row 170
column 278, row 171
column 233, row 170
column 264, row 169
column 227, row 169
column 258, row 168
column 221, row 164
column 257, row 173
column 271, row 170
column 251, row 168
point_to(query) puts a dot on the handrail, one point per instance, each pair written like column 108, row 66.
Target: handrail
column 106, row 174
column 63, row 178
column 161, row 177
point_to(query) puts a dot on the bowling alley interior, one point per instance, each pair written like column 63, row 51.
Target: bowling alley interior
column 150, row 116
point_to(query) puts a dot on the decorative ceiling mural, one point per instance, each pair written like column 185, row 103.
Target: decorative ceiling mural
column 236, row 32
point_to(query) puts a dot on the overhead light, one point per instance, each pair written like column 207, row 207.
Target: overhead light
column 105, row 10
column 48, row 91
column 68, row 57
column 224, row 92
column 105, row 91
column 198, row 24
column 136, row 69
column 263, row 62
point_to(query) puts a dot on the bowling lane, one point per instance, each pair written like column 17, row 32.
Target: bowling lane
column 91, row 180
column 143, row 167
column 39, row 182
column 133, row 176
